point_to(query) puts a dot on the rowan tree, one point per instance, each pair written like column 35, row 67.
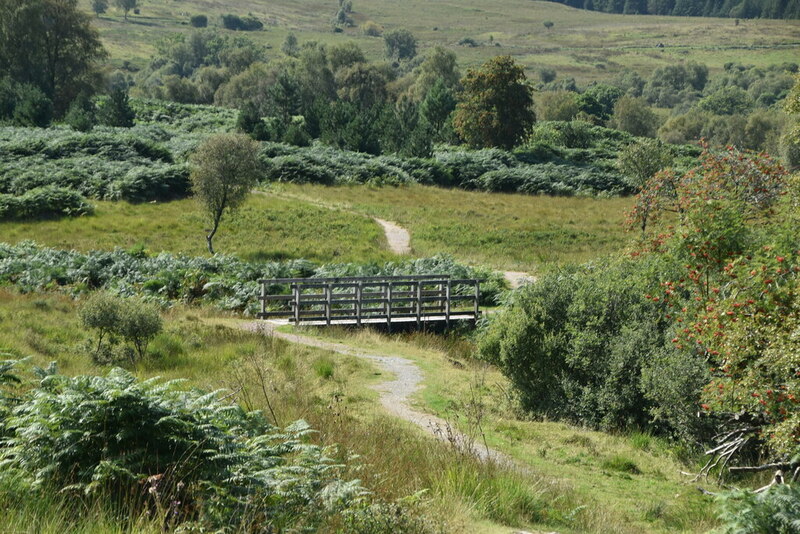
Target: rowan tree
column 224, row 170
column 495, row 107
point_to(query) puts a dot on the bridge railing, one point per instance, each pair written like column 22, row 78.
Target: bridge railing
column 371, row 300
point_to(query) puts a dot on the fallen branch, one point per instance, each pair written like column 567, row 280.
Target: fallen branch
column 766, row 467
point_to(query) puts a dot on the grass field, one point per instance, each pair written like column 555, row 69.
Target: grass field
column 266, row 228
column 578, row 481
column 628, row 483
column 583, row 44
column 504, row 231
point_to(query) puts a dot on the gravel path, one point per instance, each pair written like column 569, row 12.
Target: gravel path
column 398, row 237
column 395, row 394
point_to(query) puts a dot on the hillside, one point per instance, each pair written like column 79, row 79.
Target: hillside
column 582, row 44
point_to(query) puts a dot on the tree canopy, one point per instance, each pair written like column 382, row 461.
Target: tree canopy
column 495, row 107
column 49, row 44
column 224, row 169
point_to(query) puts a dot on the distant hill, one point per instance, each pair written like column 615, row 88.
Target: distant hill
column 737, row 9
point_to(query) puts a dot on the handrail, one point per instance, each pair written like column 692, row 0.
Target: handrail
column 360, row 300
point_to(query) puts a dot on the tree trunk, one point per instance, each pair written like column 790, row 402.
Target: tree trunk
column 210, row 235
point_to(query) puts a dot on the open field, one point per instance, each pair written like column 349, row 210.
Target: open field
column 266, row 228
column 586, row 45
column 504, row 231
column 579, row 481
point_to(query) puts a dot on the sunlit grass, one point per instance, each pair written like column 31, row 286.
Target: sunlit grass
column 582, row 44
column 504, row 231
column 266, row 228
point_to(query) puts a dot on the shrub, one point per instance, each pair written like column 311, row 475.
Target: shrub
column 102, row 313
column 115, row 318
column 776, row 510
column 245, row 24
column 42, row 203
column 198, row 21
column 371, row 29
column 139, row 324
column 577, row 342
column 157, row 182
column 113, row 439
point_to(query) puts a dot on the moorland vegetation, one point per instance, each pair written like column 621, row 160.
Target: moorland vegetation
column 687, row 337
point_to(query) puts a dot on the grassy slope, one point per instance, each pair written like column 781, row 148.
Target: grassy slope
column 513, row 232
column 586, row 45
column 574, row 485
column 266, row 228
column 628, row 483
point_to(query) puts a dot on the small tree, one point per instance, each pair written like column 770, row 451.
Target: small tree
column 289, row 46
column 81, row 114
column 495, row 108
column 139, row 324
column 99, row 6
column 634, row 116
column 116, row 110
column 224, row 169
column 101, row 312
column 642, row 159
column 400, row 44
column 548, row 24
column 439, row 103
column 127, row 5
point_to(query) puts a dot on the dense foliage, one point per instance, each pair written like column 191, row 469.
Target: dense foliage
column 186, row 456
column 57, row 58
column 43, row 203
column 495, row 106
column 744, row 9
column 705, row 320
column 586, row 345
column 776, row 511
column 223, row 280
column 559, row 158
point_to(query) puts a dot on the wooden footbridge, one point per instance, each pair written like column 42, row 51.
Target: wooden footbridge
column 378, row 300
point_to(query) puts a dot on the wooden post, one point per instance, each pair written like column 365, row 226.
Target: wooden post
column 359, row 290
column 328, row 297
column 263, row 297
column 419, row 303
column 296, row 289
column 477, row 298
column 389, row 307
column 447, row 304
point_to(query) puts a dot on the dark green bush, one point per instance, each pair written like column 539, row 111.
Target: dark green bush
column 587, row 345
column 198, row 21
column 245, row 24
column 43, row 203
column 143, row 184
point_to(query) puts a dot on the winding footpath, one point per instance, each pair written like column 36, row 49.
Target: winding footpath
column 395, row 394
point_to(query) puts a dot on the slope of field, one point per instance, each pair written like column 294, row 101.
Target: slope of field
column 504, row 231
column 266, row 228
column 586, row 45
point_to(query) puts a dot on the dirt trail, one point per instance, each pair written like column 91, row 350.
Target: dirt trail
column 395, row 394
column 398, row 237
